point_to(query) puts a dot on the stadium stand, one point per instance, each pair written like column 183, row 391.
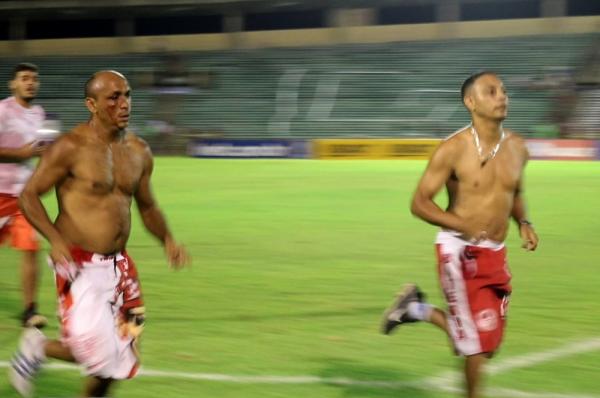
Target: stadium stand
column 352, row 90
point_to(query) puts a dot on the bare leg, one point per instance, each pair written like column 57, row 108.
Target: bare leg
column 473, row 363
column 55, row 349
column 97, row 387
column 29, row 276
column 473, row 370
column 439, row 319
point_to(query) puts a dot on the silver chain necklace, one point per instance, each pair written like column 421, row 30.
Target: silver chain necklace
column 494, row 150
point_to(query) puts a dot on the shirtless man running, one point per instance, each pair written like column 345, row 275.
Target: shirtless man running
column 481, row 166
column 97, row 169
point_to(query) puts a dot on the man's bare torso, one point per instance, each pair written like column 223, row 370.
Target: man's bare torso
column 95, row 197
column 484, row 195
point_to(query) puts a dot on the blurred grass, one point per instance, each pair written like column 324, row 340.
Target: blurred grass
column 295, row 260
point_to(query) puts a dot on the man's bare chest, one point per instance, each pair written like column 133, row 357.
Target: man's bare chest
column 109, row 170
column 502, row 173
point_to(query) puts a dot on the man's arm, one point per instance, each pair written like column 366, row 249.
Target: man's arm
column 17, row 155
column 152, row 216
column 53, row 167
column 519, row 213
column 434, row 178
column 27, row 151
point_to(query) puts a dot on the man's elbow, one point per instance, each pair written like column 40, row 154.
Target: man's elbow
column 147, row 210
column 415, row 207
column 25, row 199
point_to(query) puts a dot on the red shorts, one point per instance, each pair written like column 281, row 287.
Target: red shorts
column 93, row 301
column 15, row 227
column 476, row 284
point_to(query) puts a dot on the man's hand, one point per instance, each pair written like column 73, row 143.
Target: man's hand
column 473, row 235
column 59, row 252
column 132, row 324
column 528, row 236
column 32, row 149
column 176, row 254
column 478, row 237
column 62, row 262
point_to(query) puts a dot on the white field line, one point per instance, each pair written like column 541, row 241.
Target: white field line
column 444, row 382
column 522, row 361
column 451, row 386
column 249, row 379
column 528, row 360
column 510, row 393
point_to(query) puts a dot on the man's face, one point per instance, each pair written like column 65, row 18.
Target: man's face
column 25, row 85
column 487, row 98
column 113, row 101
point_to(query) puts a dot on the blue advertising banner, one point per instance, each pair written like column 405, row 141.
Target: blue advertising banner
column 248, row 149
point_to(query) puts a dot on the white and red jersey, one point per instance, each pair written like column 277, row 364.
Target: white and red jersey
column 18, row 127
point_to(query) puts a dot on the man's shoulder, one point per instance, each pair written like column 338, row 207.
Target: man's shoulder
column 457, row 136
column 9, row 107
column 72, row 135
column 71, row 140
column 515, row 140
column 456, row 140
column 6, row 104
column 139, row 148
column 39, row 110
column 514, row 136
column 80, row 134
column 7, row 101
column 136, row 141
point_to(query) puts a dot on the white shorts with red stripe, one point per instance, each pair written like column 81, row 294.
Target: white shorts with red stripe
column 476, row 284
column 90, row 306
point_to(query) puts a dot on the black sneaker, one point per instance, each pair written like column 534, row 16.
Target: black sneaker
column 397, row 313
column 31, row 319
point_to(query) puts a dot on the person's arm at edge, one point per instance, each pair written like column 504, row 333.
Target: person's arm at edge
column 519, row 211
column 25, row 152
column 152, row 216
column 17, row 155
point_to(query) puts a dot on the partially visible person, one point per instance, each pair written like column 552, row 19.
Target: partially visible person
column 97, row 170
column 20, row 120
column 481, row 167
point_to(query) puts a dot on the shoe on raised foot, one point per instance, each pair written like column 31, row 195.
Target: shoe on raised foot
column 27, row 361
column 397, row 313
column 31, row 319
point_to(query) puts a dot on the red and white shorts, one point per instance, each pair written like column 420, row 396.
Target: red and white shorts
column 14, row 226
column 93, row 302
column 476, row 283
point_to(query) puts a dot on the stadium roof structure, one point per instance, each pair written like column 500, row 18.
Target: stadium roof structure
column 84, row 7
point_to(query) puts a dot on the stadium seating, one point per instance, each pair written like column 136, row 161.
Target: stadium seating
column 376, row 90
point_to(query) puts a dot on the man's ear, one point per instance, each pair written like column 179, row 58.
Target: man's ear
column 90, row 103
column 12, row 84
column 469, row 102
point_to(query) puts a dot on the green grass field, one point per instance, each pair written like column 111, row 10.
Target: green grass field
column 294, row 262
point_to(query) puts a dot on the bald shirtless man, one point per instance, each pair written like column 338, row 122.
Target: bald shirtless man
column 481, row 166
column 97, row 169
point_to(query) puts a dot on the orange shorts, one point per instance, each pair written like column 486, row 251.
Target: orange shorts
column 13, row 225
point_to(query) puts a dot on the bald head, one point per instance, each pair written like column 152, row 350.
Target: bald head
column 108, row 98
column 98, row 80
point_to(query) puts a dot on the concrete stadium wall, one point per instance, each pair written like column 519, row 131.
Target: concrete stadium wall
column 302, row 38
